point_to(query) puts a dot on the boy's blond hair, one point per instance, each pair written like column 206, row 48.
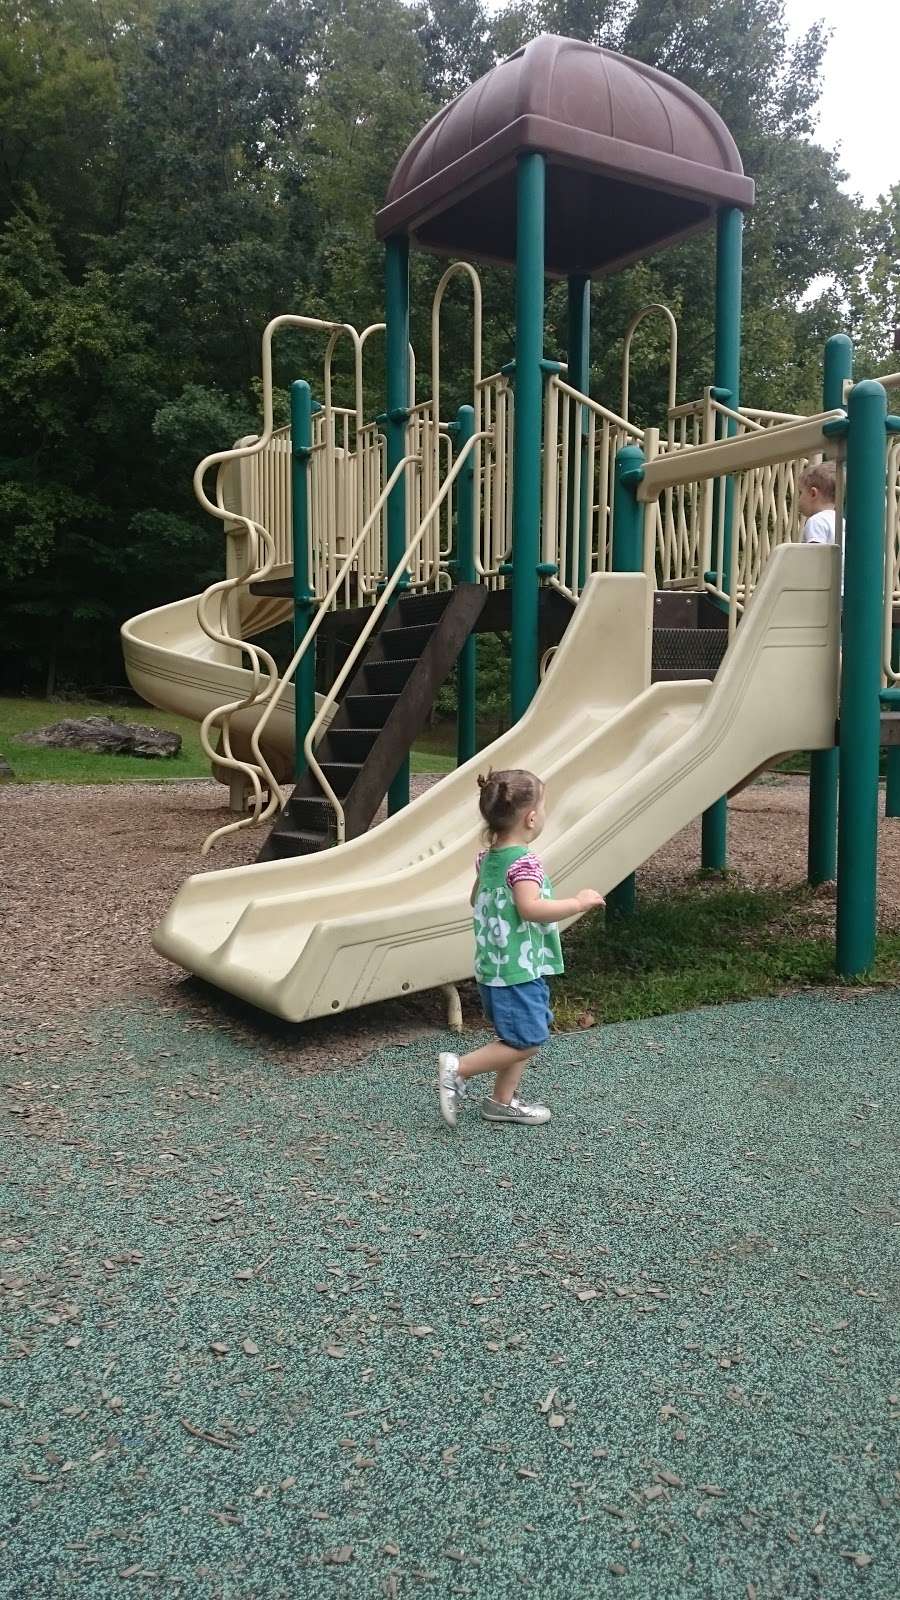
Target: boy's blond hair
column 820, row 476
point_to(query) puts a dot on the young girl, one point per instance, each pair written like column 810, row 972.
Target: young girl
column 516, row 949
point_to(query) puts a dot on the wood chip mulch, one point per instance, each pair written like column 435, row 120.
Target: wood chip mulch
column 87, row 872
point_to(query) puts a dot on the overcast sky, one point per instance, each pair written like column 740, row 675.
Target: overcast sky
column 860, row 86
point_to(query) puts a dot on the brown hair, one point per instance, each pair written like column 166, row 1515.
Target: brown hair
column 820, row 476
column 504, row 796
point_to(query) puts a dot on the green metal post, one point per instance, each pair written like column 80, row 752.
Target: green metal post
column 529, row 383
column 726, row 376
column 861, row 679
column 396, row 316
column 821, row 856
column 466, row 573
column 627, row 556
column 304, row 599
column 892, row 760
column 729, row 261
column 579, row 376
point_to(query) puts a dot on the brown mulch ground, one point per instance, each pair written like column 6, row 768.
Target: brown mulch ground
column 86, row 873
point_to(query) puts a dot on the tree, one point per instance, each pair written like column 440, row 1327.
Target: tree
column 173, row 173
column 875, row 297
column 737, row 55
column 458, row 46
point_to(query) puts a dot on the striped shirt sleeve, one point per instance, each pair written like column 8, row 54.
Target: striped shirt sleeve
column 527, row 869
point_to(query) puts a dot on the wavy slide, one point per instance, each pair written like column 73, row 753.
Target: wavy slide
column 172, row 664
column 626, row 765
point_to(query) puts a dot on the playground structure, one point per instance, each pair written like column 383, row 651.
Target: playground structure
column 669, row 638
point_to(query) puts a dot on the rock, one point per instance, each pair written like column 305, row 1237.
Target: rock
column 6, row 772
column 103, row 736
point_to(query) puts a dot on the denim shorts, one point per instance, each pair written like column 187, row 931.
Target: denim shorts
column 519, row 1013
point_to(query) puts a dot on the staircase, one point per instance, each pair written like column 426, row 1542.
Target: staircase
column 386, row 705
column 690, row 636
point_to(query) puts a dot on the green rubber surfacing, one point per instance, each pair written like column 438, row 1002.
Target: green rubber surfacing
column 647, row 1351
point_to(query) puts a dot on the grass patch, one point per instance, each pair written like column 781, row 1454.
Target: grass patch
column 440, row 738
column 32, row 764
column 431, row 761
column 697, row 948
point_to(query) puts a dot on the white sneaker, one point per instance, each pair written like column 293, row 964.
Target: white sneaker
column 451, row 1087
column 515, row 1111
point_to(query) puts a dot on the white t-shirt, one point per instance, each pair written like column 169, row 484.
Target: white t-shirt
column 819, row 529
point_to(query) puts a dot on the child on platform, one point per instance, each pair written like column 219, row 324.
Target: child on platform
column 817, row 497
column 516, row 949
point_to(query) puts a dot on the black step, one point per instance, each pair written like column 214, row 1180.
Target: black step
column 388, row 677
column 391, row 694
column 280, row 845
column 694, row 649
column 341, row 775
column 416, row 608
column 407, row 642
column 682, row 674
column 370, row 710
column 351, row 744
column 309, row 813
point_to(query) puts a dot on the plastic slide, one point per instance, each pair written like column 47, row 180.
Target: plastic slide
column 626, row 766
column 172, row 664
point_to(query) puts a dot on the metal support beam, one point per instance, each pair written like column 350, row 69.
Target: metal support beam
column 529, row 388
column 861, row 679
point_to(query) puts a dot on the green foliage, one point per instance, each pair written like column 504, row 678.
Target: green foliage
column 173, row 173
column 702, row 949
column 876, row 291
column 492, row 691
column 37, row 764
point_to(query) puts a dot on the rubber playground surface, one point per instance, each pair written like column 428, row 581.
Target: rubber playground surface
column 271, row 1335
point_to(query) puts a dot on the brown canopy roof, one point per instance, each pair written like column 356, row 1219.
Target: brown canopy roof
column 636, row 161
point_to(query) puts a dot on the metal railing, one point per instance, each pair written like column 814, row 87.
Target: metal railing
column 890, row 665
column 432, row 445
column 347, row 511
column 689, row 534
column 684, row 534
column 630, row 331
column 495, row 413
column 581, row 439
column 274, row 692
column 253, row 554
column 742, row 483
column 346, row 477
column 677, row 546
column 888, row 381
column 329, row 701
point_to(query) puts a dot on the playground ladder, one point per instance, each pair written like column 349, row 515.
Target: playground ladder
column 386, row 705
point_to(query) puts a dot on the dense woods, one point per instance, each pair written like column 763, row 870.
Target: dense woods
column 174, row 174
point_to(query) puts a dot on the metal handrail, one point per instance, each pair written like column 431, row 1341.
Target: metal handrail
column 274, row 697
column 731, row 558
column 888, row 380
column 494, row 399
column 723, row 457
column 260, row 660
column 613, row 431
column 456, row 269
column 630, row 331
column 377, row 610
column 890, row 674
column 594, row 405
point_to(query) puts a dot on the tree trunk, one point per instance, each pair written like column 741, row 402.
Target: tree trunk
column 50, row 684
